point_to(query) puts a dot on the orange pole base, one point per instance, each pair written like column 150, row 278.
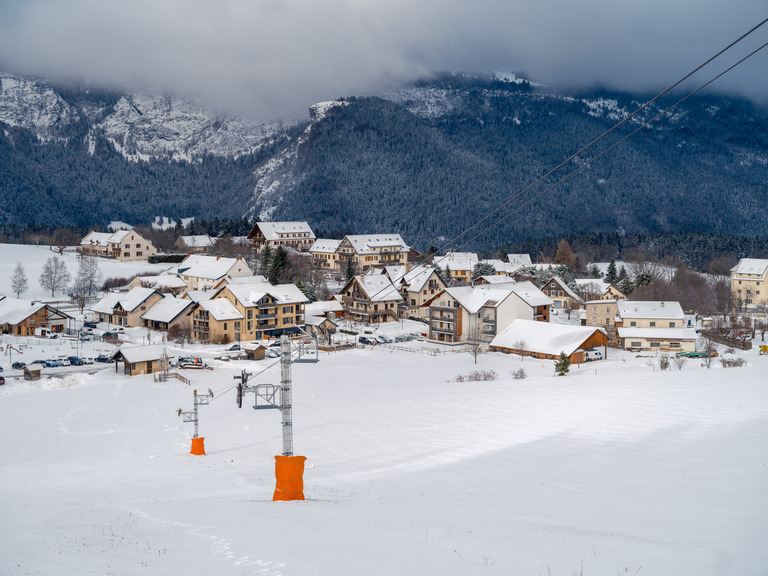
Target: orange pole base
column 198, row 447
column 288, row 472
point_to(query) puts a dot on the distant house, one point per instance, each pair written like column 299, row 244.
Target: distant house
column 517, row 261
column 595, row 289
column 603, row 314
column 296, row 235
column 371, row 250
column 126, row 308
column 22, row 317
column 416, row 286
column 169, row 312
column 123, row 245
column 140, row 359
column 216, row 321
column 325, row 308
column 371, row 298
column 200, row 243
column 561, row 294
column 655, row 326
column 324, row 254
column 749, row 283
column 460, row 265
column 165, row 283
column 464, row 313
column 200, row 272
column 547, row 341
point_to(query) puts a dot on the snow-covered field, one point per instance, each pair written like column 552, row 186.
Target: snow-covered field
column 617, row 468
column 33, row 258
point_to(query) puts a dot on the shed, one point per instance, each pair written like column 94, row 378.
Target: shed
column 547, row 341
column 140, row 359
column 32, row 373
column 254, row 350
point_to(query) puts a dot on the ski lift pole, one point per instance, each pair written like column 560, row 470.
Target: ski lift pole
column 198, row 444
column 285, row 395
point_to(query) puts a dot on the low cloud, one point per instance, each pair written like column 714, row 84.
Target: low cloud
column 274, row 58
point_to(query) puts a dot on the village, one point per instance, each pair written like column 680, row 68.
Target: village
column 377, row 289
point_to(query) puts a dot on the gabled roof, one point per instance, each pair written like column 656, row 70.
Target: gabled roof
column 128, row 301
column 519, row 260
column 544, row 337
column 208, row 267
column 750, row 266
column 530, row 294
column 457, row 261
column 221, row 309
column 377, row 288
column 199, row 295
column 272, row 230
column 14, row 311
column 249, row 293
column 650, row 309
column 118, row 236
column 325, row 245
column 370, row 244
column 570, row 293
column 133, row 354
column 167, row 309
column 318, row 321
column 473, row 298
column 203, row 241
column 163, row 281
column 414, row 279
column 104, row 239
column 322, row 307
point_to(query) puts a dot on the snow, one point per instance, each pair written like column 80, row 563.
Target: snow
column 616, row 468
column 33, row 258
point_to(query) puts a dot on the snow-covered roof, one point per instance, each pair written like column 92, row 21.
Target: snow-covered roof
column 129, row 301
column 246, row 279
column 203, row 241
column 133, row 354
column 13, row 311
column 163, row 281
column 414, row 279
column 750, row 266
column 570, row 293
column 249, row 293
column 544, row 337
column 208, row 267
column 378, row 288
column 473, row 298
column 273, row 230
column 650, row 309
column 167, row 309
column 96, row 239
column 252, row 346
column 325, row 245
column 457, row 260
column 370, row 244
column 519, row 260
column 199, row 295
column 498, row 279
column 221, row 309
column 658, row 333
column 317, row 320
column 530, row 294
column 118, row 236
column 322, row 307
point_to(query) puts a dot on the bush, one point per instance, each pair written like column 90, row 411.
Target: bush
column 519, row 374
column 732, row 362
column 477, row 376
column 664, row 362
column 680, row 361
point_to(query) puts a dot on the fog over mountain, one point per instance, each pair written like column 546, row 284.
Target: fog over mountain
column 274, row 59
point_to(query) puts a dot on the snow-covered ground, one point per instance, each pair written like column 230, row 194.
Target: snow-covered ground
column 33, row 258
column 616, row 468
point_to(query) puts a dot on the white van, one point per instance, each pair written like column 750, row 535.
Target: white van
column 592, row 354
column 44, row 333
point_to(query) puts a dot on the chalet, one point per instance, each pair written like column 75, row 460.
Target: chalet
column 140, row 359
column 547, row 341
column 199, row 243
column 561, row 294
column 216, row 321
column 416, row 286
column 296, row 235
column 464, row 313
column 369, row 251
column 595, row 289
column 169, row 312
column 126, row 308
column 749, row 283
column 459, row 265
column 200, row 272
column 21, row 317
column 371, row 298
column 123, row 245
column 654, row 326
column 331, row 309
column 324, row 254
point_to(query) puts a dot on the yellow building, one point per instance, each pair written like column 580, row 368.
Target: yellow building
column 749, row 283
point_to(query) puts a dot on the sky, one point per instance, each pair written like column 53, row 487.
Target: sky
column 275, row 58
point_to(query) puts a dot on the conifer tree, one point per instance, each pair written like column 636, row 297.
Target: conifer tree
column 611, row 275
column 562, row 365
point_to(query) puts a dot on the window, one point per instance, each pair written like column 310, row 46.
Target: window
column 287, row 309
column 674, row 344
column 225, row 325
column 671, row 324
column 138, row 245
column 139, row 253
column 250, row 314
column 287, row 320
column 237, row 326
column 633, row 323
column 250, row 325
column 653, row 324
column 655, row 344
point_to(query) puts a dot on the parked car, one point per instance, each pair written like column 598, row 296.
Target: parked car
column 52, row 363
column 273, row 354
column 2, row 380
column 364, row 340
column 382, row 339
column 118, row 329
column 63, row 361
column 90, row 325
column 102, row 358
column 233, row 348
column 88, row 360
column 18, row 365
column 37, row 362
column 109, row 335
column 75, row 361
column 1, row 368
column 275, row 344
column 592, row 354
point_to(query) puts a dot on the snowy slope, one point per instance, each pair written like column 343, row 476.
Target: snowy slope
column 616, row 468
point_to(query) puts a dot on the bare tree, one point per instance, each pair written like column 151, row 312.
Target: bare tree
column 708, row 337
column 19, row 282
column 55, row 276
column 475, row 344
column 521, row 345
